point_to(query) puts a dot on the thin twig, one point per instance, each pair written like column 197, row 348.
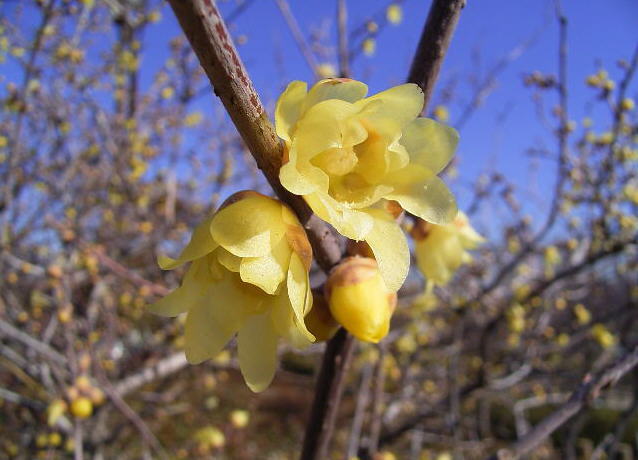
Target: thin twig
column 298, row 35
column 328, row 391
column 588, row 391
column 433, row 44
column 342, row 35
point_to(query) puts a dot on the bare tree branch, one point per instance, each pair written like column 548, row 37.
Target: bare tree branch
column 588, row 391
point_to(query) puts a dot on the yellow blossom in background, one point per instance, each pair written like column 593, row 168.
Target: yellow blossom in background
column 394, row 14
column 347, row 154
column 249, row 275
column 441, row 113
column 369, row 46
column 442, row 249
column 193, row 119
column 359, row 299
column 603, row 336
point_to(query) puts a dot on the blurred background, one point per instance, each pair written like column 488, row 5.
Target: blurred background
column 113, row 147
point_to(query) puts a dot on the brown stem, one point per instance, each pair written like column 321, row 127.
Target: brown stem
column 207, row 33
column 433, row 44
column 328, row 389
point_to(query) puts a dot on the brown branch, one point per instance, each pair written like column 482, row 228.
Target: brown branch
column 588, row 391
column 162, row 368
column 328, row 391
column 342, row 35
column 433, row 44
column 209, row 37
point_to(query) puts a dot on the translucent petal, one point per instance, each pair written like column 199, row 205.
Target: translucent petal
column 335, row 88
column 268, row 271
column 208, row 329
column 250, row 227
column 320, row 127
column 285, row 324
column 299, row 290
column 300, row 183
column 200, row 244
column 423, row 194
column 390, row 248
column 229, row 261
column 350, row 223
column 289, row 107
column 257, row 350
column 430, row 143
column 355, row 190
column 381, row 151
column 401, row 103
column 188, row 294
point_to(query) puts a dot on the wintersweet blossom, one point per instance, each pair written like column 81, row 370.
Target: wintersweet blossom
column 347, row 153
column 442, row 249
column 249, row 275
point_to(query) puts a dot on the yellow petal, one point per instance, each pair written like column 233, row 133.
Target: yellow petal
column 320, row 127
column 182, row 299
column 257, row 350
column 200, row 244
column 423, row 194
column 350, row 223
column 267, row 272
column 285, row 324
column 401, row 103
column 288, row 108
column 229, row 261
column 209, row 326
column 299, row 291
column 293, row 180
column 335, row 88
column 249, row 227
column 430, row 143
column 390, row 248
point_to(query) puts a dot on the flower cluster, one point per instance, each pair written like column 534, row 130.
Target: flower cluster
column 347, row 153
column 249, row 275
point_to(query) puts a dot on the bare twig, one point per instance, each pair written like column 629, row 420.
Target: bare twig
column 298, row 35
column 163, row 368
column 434, row 42
column 342, row 34
column 328, row 391
column 588, row 391
column 42, row 348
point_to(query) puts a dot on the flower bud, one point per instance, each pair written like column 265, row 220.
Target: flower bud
column 359, row 300
column 82, row 407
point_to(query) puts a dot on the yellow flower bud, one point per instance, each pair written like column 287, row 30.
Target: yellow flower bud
column 55, row 410
column 82, row 407
column 239, row 418
column 394, row 14
column 359, row 300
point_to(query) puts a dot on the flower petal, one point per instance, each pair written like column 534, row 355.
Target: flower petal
column 228, row 260
column 401, row 103
column 200, row 244
column 335, row 88
column 350, row 223
column 423, row 194
column 208, row 329
column 249, row 227
column 430, row 143
column 188, row 294
column 285, row 324
column 299, row 293
column 390, row 248
column 257, row 350
column 288, row 108
column 268, row 271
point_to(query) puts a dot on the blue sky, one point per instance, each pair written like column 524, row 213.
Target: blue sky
column 600, row 32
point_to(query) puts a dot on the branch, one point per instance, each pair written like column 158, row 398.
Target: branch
column 209, row 37
column 434, row 42
column 588, row 391
column 165, row 367
column 328, row 391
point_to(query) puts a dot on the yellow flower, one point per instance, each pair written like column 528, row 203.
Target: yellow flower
column 369, row 46
column 249, row 275
column 394, row 13
column 359, row 300
column 347, row 154
column 442, row 249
